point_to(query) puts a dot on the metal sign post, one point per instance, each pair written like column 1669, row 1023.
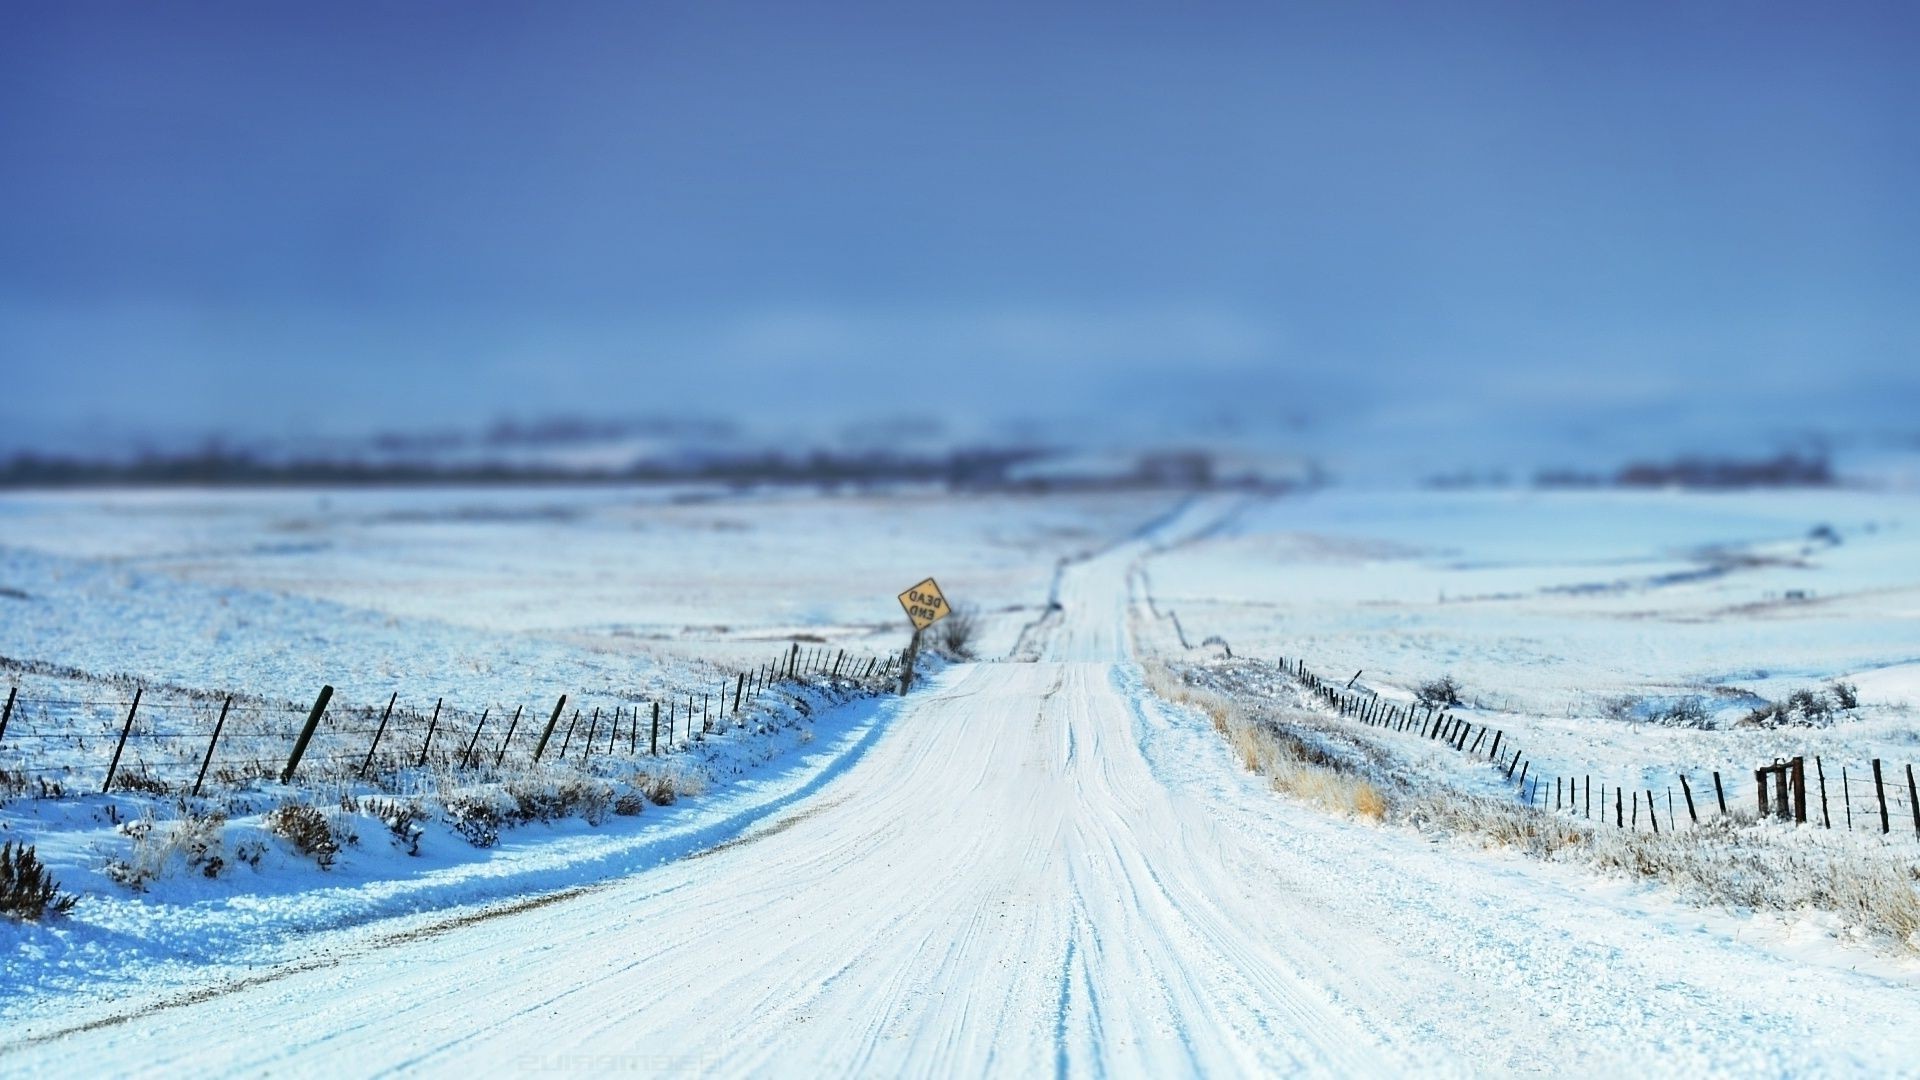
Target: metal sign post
column 925, row 605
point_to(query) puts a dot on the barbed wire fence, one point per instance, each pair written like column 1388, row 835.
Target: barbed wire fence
column 184, row 741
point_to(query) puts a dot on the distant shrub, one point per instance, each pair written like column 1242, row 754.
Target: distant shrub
column 27, row 889
column 629, row 804
column 954, row 634
column 1803, row 708
column 1845, row 695
column 306, row 828
column 1624, row 707
column 1690, row 712
column 1443, row 691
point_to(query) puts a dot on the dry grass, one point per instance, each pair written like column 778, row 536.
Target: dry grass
column 1292, row 765
column 663, row 786
column 307, row 830
column 1734, row 862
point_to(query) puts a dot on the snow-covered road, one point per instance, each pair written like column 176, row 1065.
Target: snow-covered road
column 1036, row 868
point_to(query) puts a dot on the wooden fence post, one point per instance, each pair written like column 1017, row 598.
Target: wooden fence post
column 1798, row 771
column 541, row 747
column 587, row 752
column 1687, row 790
column 7, row 713
column 306, row 733
column 211, row 743
column 1913, row 801
column 568, row 739
column 431, row 724
column 1880, row 793
column 501, row 754
column 1619, row 809
column 906, row 664
column 468, row 757
column 1652, row 814
column 1826, row 820
column 1719, row 793
column 653, row 744
column 1846, row 796
column 739, row 686
column 115, row 765
column 377, row 732
column 1494, row 750
column 1760, row 792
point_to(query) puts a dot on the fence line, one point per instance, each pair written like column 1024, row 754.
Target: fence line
column 1887, row 796
column 402, row 737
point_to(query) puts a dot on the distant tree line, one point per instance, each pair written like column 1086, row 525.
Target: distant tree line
column 1782, row 470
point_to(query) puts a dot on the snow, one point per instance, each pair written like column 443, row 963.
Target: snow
column 1039, row 866
column 185, row 928
column 1549, row 607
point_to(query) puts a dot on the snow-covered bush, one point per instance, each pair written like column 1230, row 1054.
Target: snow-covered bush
column 1688, row 712
column 402, row 820
column 27, row 889
column 476, row 816
column 1804, row 708
column 194, row 841
column 546, row 797
column 307, row 829
column 1441, row 692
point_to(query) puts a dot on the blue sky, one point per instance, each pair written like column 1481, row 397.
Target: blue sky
column 351, row 215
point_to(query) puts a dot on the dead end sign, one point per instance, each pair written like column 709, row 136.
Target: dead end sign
column 925, row 604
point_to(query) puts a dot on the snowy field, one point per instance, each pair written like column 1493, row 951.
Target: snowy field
column 604, row 571
column 1618, row 634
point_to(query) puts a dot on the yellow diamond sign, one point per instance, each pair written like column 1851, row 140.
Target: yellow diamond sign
column 925, row 604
